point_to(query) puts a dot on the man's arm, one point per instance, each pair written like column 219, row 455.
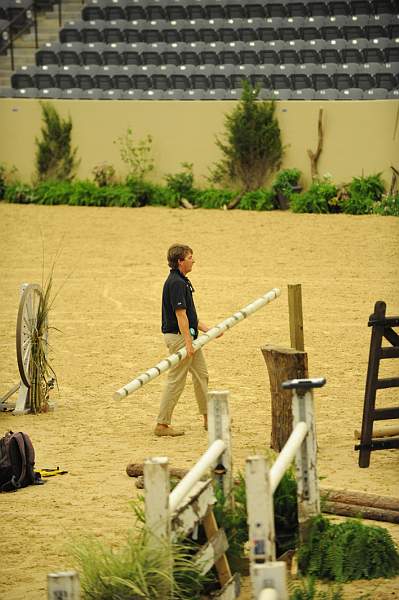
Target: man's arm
column 184, row 328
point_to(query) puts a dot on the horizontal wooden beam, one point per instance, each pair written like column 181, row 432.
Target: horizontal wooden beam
column 360, row 498
column 364, row 512
column 388, row 382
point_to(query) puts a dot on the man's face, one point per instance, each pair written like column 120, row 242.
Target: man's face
column 186, row 265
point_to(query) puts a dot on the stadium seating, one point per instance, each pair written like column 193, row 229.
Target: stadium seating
column 203, row 49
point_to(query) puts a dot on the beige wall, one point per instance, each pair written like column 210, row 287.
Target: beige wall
column 360, row 137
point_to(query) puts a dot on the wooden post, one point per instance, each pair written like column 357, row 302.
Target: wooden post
column 157, row 514
column 260, row 510
column 283, row 364
column 271, row 581
column 64, row 585
column 219, row 429
column 296, row 316
column 157, row 486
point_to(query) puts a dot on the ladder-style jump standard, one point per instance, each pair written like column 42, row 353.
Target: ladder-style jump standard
column 382, row 328
column 214, row 332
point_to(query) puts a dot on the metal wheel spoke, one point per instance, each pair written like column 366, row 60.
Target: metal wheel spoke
column 27, row 355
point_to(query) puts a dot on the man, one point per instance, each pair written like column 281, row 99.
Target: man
column 180, row 325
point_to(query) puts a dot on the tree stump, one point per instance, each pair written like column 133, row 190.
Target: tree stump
column 283, row 364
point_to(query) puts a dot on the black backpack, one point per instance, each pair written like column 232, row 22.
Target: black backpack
column 17, row 460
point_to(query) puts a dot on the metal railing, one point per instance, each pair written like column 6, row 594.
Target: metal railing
column 12, row 31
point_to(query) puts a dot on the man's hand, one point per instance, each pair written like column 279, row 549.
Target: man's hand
column 190, row 348
column 184, row 329
column 205, row 328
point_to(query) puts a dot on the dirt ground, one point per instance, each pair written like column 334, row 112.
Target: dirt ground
column 110, row 269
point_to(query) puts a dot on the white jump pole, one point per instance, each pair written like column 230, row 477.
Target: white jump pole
column 195, row 474
column 287, row 454
column 173, row 359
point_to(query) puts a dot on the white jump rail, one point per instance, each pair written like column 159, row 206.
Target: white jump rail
column 268, row 576
column 205, row 338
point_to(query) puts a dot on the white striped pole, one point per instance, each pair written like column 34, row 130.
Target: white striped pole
column 203, row 339
column 195, row 474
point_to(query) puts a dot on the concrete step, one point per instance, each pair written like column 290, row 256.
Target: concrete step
column 42, row 39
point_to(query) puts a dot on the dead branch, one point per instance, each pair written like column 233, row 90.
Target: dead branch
column 314, row 156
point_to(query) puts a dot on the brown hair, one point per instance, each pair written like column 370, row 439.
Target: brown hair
column 177, row 252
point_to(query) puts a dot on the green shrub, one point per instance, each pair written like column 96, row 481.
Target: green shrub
column 55, row 158
column 19, row 193
column 348, row 551
column 362, row 192
column 357, row 205
column 8, row 176
column 182, row 184
column 143, row 190
column 388, row 206
column 214, row 198
column 261, row 199
column 104, row 175
column 52, row 192
column 307, row 590
column 370, row 186
column 316, row 200
column 252, row 147
column 136, row 156
column 116, row 195
column 83, row 193
column 234, row 521
column 164, row 196
column 286, row 181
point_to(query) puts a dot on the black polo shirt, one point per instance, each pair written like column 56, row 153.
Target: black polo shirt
column 177, row 293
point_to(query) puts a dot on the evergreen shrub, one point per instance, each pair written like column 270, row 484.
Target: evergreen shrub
column 251, row 146
column 55, row 158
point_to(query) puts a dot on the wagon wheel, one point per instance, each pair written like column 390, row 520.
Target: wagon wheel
column 26, row 323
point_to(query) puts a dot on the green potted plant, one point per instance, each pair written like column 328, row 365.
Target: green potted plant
column 285, row 184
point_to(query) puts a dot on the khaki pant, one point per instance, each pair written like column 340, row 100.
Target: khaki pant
column 177, row 376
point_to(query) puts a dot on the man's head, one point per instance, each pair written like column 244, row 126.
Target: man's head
column 180, row 257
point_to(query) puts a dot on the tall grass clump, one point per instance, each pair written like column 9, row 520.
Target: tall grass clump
column 139, row 570
column 42, row 374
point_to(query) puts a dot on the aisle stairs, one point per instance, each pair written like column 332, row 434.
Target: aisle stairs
column 48, row 29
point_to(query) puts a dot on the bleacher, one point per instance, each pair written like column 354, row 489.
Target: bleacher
column 203, row 49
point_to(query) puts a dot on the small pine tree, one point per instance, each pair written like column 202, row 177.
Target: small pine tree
column 55, row 158
column 252, row 147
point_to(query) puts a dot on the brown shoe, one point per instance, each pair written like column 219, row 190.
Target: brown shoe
column 171, row 431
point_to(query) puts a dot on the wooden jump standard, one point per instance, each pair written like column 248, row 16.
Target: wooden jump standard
column 173, row 359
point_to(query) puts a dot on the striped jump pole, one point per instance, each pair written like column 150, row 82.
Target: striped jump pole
column 203, row 339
